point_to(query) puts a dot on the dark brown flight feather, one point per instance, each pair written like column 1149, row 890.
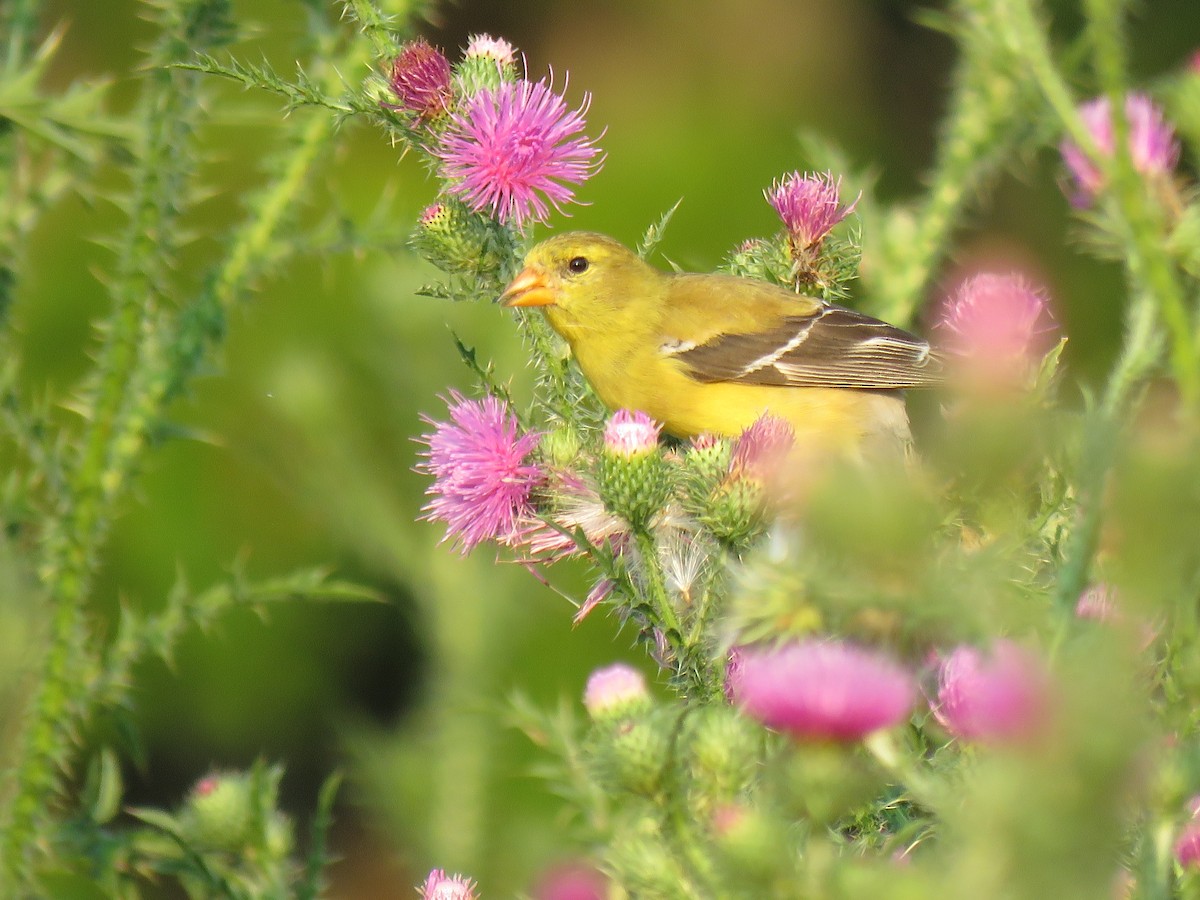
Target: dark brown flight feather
column 836, row 347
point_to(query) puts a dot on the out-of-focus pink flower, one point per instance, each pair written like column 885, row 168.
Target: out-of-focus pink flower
column 440, row 886
column 809, row 206
column 1152, row 144
column 515, row 146
column 820, row 690
column 630, row 433
column 572, row 881
column 1098, row 602
column 1187, row 846
column 761, row 450
column 482, row 477
column 615, row 690
column 420, row 79
column 996, row 328
column 1001, row 696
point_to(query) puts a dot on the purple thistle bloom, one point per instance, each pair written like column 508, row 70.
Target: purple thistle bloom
column 1152, row 144
column 762, row 448
column 420, row 79
column 996, row 325
column 440, row 886
column 512, row 144
column 630, row 433
column 808, row 206
column 820, row 690
column 482, row 481
column 998, row 697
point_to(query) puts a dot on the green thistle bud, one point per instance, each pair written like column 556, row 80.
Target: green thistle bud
column 459, row 241
column 643, row 864
column 487, row 63
column 738, row 510
column 734, row 513
column 707, row 458
column 723, row 749
column 765, row 260
column 219, row 812
column 633, row 755
column 751, row 843
column 560, row 447
column 633, row 477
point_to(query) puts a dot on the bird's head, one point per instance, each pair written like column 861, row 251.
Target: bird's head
column 577, row 277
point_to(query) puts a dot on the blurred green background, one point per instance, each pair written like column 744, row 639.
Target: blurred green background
column 302, row 452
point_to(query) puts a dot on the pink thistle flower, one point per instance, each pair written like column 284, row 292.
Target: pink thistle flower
column 420, row 79
column 630, row 434
column 1152, row 144
column 761, row 449
column 996, row 325
column 484, row 46
column 997, row 697
column 820, row 690
column 572, row 881
column 440, row 886
column 808, row 206
column 615, row 691
column 1187, row 846
column 482, row 479
column 510, row 145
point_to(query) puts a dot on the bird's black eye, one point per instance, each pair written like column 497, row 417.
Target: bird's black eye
column 578, row 264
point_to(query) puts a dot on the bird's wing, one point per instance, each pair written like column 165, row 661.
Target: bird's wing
column 828, row 347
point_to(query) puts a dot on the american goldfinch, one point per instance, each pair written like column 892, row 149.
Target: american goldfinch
column 712, row 353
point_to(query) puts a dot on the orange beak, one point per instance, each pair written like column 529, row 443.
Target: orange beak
column 527, row 289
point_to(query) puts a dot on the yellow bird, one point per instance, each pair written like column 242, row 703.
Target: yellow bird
column 712, row 353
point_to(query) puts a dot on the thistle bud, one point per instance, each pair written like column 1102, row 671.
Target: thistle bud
column 765, row 260
column 487, row 62
column 457, row 240
column 634, row 758
column 616, row 692
column 420, row 79
column 561, row 447
column 633, row 477
column 440, row 886
column 219, row 812
column 737, row 510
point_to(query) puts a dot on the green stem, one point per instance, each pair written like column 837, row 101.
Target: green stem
column 112, row 442
column 648, row 550
column 986, row 121
column 376, row 26
column 19, row 21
